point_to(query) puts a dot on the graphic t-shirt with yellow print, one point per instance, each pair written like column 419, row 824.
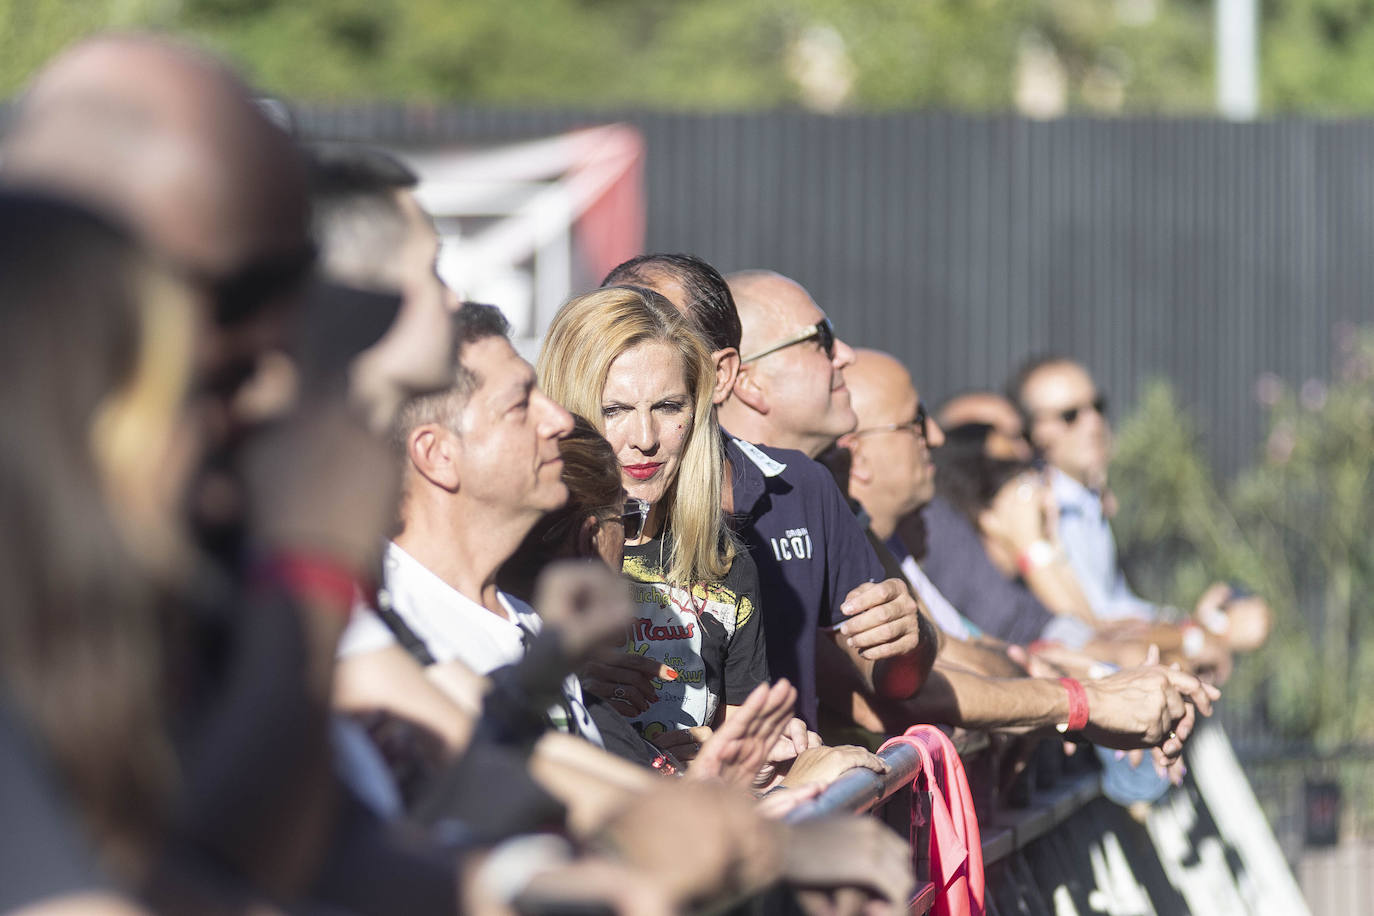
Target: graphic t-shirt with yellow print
column 712, row 635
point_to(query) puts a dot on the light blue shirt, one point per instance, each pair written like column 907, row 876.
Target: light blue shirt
column 1091, row 548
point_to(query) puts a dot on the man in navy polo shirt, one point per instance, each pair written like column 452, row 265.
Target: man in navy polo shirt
column 817, row 572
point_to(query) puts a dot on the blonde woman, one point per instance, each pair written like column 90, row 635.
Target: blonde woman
column 624, row 357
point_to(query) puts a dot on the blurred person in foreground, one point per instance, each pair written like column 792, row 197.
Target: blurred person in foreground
column 102, row 436
column 819, row 574
column 288, row 527
column 1066, row 421
column 891, row 474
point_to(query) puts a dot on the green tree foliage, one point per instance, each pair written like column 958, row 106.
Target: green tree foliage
column 1294, row 527
column 1110, row 55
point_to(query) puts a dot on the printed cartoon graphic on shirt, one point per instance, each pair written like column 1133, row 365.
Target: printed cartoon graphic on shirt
column 695, row 632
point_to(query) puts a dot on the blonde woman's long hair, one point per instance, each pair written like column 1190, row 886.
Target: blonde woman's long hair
column 587, row 335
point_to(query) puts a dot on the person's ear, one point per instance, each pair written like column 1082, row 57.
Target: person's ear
column 727, row 370
column 586, row 537
column 749, row 391
column 860, row 468
column 434, row 453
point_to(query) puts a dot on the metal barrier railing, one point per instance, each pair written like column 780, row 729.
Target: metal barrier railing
column 1005, row 830
column 859, row 791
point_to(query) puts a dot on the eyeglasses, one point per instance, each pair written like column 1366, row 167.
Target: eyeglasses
column 822, row 330
column 1070, row 415
column 916, row 425
column 633, row 517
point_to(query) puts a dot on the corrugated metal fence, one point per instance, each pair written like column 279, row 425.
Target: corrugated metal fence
column 1203, row 251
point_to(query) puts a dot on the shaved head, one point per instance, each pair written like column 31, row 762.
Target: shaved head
column 790, row 391
column 891, row 472
column 167, row 139
column 759, row 295
column 879, row 388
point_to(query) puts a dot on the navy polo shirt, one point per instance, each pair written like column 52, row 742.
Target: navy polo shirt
column 810, row 550
column 959, row 566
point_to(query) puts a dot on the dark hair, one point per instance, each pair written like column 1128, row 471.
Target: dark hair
column 358, row 223
column 709, row 302
column 966, row 477
column 592, row 475
column 81, row 621
column 471, row 323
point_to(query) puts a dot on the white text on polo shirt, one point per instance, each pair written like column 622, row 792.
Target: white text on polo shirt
column 795, row 544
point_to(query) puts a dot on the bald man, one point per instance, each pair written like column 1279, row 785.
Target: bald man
column 790, row 390
column 169, row 141
column 891, row 475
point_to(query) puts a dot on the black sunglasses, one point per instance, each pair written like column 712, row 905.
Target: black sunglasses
column 1070, row 415
column 823, row 331
column 633, row 517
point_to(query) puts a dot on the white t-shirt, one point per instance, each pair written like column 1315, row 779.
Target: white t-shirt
column 454, row 627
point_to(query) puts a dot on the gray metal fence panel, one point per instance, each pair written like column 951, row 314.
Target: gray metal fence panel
column 1205, row 252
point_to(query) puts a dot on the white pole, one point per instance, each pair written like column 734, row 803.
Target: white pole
column 1237, row 28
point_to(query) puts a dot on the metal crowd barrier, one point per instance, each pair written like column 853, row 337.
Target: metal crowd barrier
column 1052, row 843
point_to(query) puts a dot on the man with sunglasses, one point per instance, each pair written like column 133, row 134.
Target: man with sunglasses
column 1066, row 422
column 819, row 571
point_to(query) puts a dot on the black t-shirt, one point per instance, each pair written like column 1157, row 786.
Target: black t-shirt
column 712, row 635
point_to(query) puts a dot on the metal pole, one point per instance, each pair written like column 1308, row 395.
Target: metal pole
column 1237, row 31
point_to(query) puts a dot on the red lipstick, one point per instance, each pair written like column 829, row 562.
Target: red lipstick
column 642, row 471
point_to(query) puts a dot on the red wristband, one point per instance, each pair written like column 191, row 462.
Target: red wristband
column 1078, row 706
column 311, row 576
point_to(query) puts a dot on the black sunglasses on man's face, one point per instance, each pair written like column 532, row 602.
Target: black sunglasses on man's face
column 823, row 331
column 1070, row 415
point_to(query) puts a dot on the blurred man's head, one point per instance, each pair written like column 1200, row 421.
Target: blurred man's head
column 373, row 235
column 891, row 473
column 696, row 289
column 791, row 391
column 166, row 139
column 1006, row 438
column 1065, row 418
column 485, row 451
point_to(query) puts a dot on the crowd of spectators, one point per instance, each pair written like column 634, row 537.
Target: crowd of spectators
column 320, row 599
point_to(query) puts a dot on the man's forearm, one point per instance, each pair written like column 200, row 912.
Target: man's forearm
column 955, row 697
column 985, row 659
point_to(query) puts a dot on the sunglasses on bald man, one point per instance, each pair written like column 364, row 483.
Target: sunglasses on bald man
column 823, row 331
